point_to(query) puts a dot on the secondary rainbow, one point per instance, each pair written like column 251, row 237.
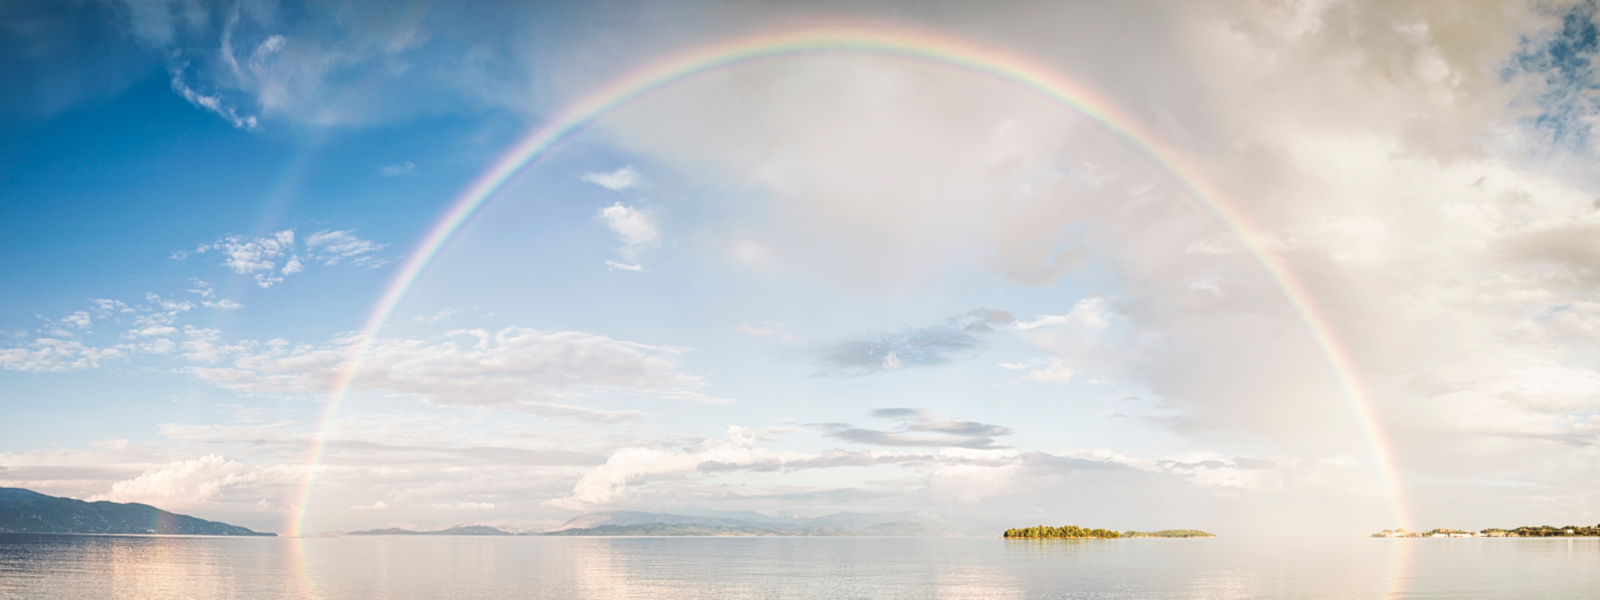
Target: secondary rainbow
column 939, row 49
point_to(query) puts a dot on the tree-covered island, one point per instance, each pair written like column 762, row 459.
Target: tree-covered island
column 1535, row 531
column 1045, row 532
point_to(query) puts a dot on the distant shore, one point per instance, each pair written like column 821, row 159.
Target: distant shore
column 1540, row 531
column 1074, row 532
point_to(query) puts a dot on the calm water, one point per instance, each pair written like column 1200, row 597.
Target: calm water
column 74, row 567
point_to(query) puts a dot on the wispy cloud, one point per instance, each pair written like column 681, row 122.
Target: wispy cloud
column 616, row 181
column 612, row 265
column 398, row 169
column 272, row 258
column 444, row 313
column 515, row 369
column 919, row 428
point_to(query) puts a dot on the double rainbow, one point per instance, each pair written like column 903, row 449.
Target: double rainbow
column 938, row 49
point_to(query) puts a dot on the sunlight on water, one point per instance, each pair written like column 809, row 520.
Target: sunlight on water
column 450, row 568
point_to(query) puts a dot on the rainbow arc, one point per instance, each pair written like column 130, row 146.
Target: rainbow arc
column 964, row 55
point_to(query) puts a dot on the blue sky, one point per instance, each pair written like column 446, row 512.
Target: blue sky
column 830, row 282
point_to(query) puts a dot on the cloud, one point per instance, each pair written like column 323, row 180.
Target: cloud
column 612, row 265
column 261, row 256
column 78, row 319
column 616, row 181
column 398, row 169
column 541, row 372
column 333, row 247
column 1042, row 369
column 191, row 482
column 768, row 329
column 379, row 505
column 444, row 313
column 1089, row 313
column 632, row 226
column 602, row 484
column 958, row 337
column 213, row 103
column 56, row 356
column 919, row 428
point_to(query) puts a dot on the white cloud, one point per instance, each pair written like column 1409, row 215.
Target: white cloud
column 1089, row 313
column 192, row 482
column 222, row 305
column 612, row 265
column 616, row 181
column 632, row 226
column 334, row 247
column 519, row 369
column 601, row 485
column 213, row 103
column 444, row 313
column 56, row 356
column 767, row 329
column 78, row 319
column 261, row 256
column 379, row 505
column 1043, row 370
column 398, row 169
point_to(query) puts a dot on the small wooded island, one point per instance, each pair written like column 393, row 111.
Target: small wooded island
column 1536, row 531
column 1045, row 532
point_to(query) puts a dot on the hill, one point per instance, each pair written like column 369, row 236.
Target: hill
column 26, row 511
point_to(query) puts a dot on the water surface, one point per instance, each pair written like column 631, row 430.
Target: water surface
column 438, row 568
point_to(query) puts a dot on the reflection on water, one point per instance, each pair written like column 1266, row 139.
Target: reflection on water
column 441, row 568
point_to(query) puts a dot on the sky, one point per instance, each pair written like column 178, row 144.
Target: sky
column 1259, row 268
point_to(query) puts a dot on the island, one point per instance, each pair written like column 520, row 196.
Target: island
column 1540, row 531
column 1169, row 533
column 27, row 511
column 1064, row 531
column 1074, row 532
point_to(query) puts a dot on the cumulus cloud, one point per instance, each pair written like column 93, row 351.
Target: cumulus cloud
column 191, row 482
column 56, row 356
column 616, row 181
column 632, row 227
column 541, row 372
column 960, row 336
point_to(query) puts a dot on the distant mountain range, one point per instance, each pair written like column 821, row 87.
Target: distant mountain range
column 25, row 511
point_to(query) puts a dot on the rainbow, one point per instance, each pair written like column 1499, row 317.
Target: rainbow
column 938, row 49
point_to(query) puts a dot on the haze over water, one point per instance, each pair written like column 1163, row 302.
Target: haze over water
column 492, row 568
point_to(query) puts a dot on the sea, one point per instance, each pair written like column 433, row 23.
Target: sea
column 76, row 567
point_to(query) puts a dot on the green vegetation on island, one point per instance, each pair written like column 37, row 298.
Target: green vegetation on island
column 1169, row 533
column 1064, row 531
column 1536, row 531
column 1074, row 532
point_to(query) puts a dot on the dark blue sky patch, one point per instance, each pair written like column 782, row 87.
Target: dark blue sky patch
column 1565, row 63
